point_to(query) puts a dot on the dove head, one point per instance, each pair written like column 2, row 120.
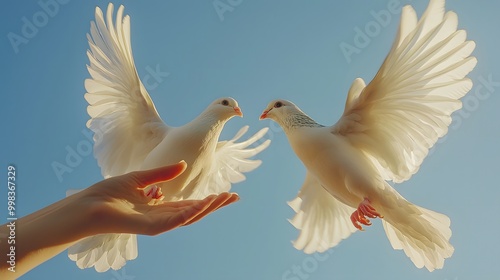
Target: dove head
column 278, row 110
column 225, row 108
column 287, row 115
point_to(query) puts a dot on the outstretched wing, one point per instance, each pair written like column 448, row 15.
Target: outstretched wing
column 125, row 123
column 400, row 115
column 231, row 160
column 323, row 221
column 124, row 120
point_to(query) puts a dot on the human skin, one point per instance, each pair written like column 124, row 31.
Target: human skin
column 115, row 205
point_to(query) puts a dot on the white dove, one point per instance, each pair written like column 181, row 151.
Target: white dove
column 385, row 133
column 129, row 135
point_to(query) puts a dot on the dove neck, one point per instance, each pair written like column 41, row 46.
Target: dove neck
column 298, row 120
column 208, row 127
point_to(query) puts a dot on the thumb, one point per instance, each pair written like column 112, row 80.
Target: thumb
column 158, row 175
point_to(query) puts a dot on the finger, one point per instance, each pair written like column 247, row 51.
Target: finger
column 220, row 201
column 214, row 207
column 190, row 211
column 158, row 175
column 193, row 210
column 186, row 203
column 234, row 197
column 170, row 215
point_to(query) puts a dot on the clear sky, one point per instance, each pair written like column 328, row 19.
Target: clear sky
column 255, row 51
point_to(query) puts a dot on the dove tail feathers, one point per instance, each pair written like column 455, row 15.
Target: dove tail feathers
column 421, row 233
column 104, row 251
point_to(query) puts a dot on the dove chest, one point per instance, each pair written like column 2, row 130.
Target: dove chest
column 333, row 161
column 180, row 145
column 310, row 143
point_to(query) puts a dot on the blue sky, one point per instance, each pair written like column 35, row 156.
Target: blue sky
column 255, row 52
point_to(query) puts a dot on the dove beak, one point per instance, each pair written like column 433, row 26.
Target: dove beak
column 238, row 112
column 264, row 114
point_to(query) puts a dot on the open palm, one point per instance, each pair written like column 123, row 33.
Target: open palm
column 123, row 204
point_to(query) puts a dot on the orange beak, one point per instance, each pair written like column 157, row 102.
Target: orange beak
column 264, row 115
column 238, row 111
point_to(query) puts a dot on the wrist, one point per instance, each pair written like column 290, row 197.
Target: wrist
column 49, row 231
column 84, row 207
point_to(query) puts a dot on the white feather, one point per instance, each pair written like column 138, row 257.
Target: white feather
column 385, row 133
column 130, row 135
column 323, row 221
column 400, row 115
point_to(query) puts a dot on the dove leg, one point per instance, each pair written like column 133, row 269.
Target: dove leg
column 365, row 210
column 155, row 192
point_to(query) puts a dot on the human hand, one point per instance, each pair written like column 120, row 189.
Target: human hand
column 120, row 204
column 114, row 205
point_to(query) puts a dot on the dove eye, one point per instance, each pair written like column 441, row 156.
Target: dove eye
column 278, row 104
column 225, row 102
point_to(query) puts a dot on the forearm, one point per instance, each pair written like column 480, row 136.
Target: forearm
column 42, row 235
column 115, row 205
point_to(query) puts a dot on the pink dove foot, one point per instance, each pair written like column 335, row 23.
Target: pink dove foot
column 365, row 210
column 155, row 193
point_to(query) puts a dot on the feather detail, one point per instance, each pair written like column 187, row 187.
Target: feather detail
column 323, row 221
column 129, row 135
column 404, row 110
